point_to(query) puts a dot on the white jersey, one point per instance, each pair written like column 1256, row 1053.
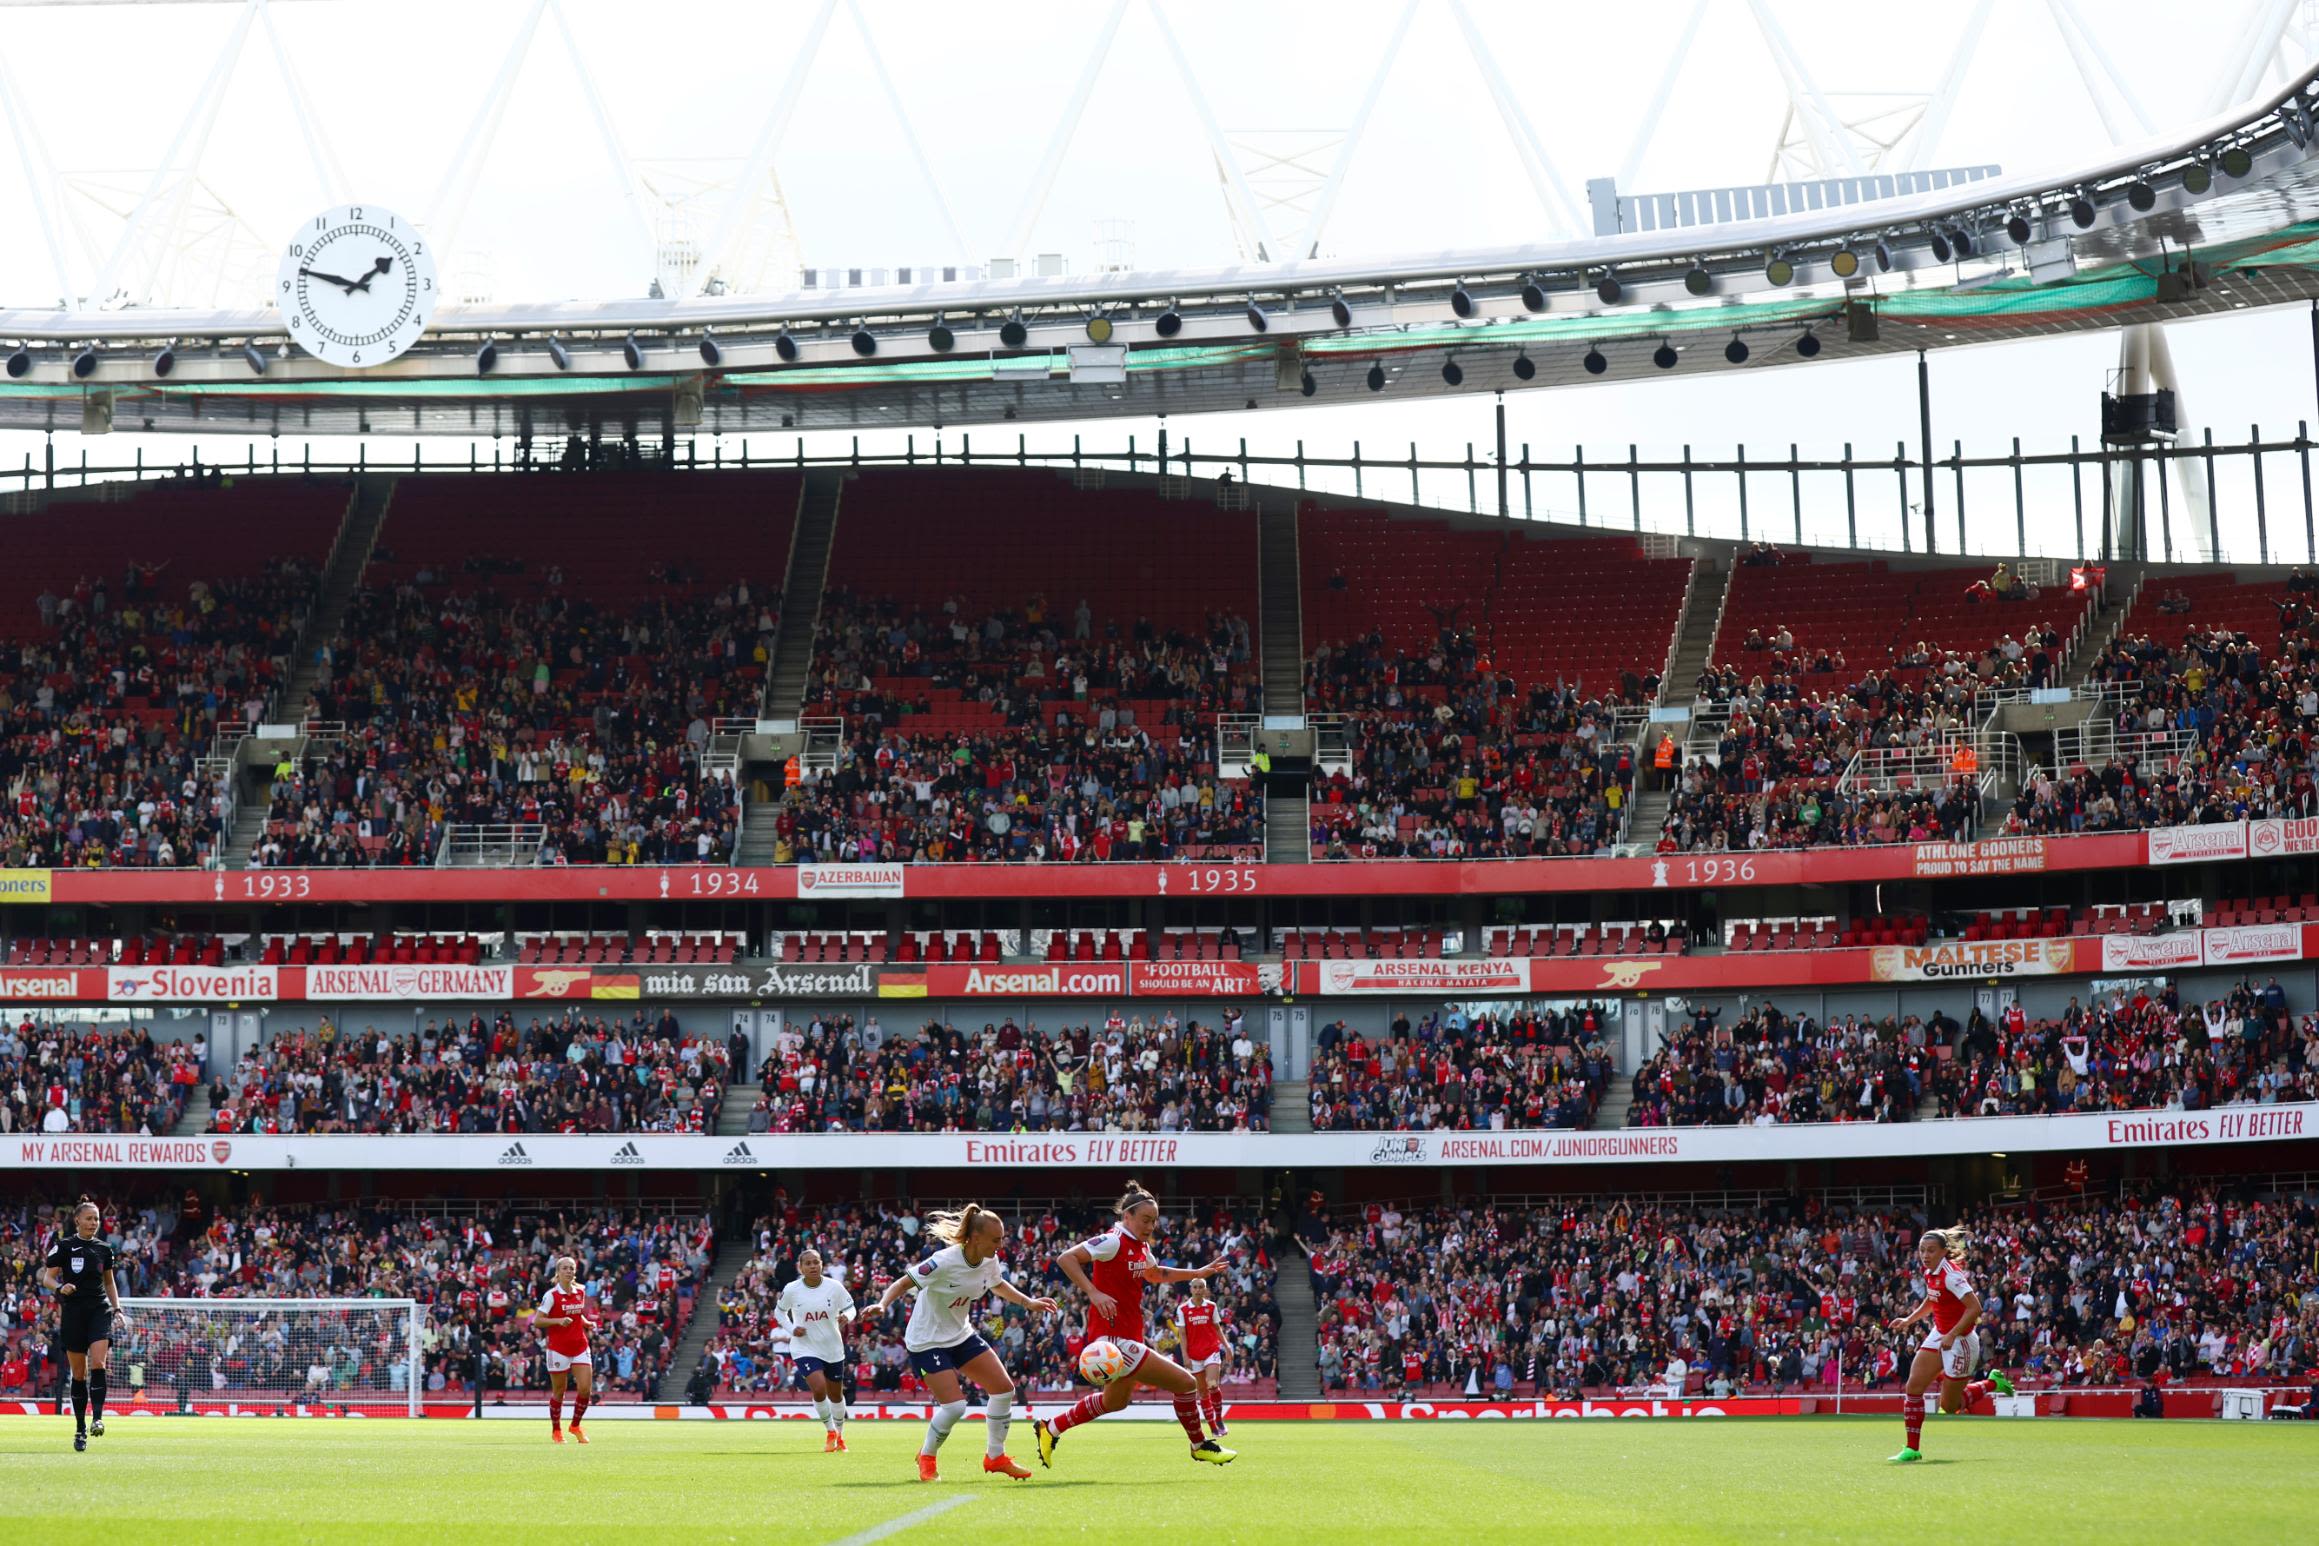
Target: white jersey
column 814, row 1316
column 947, row 1290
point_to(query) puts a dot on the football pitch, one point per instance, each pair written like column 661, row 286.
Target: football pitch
column 263, row 1480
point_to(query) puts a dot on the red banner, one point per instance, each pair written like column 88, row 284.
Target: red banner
column 1203, row 979
column 1384, row 877
column 62, row 984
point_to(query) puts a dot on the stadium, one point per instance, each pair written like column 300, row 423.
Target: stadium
column 1335, row 799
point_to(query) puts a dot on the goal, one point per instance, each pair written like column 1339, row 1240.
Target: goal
column 318, row 1356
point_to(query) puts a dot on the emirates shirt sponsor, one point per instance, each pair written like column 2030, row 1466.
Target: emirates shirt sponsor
column 191, row 984
column 2192, row 845
column 410, row 982
column 2254, row 942
column 1505, row 976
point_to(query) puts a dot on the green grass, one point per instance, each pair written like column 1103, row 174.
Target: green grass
column 1442, row 1483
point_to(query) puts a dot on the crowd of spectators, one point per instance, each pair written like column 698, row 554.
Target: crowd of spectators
column 827, row 1073
column 57, row 1077
column 109, row 701
column 866, row 1245
column 570, row 1073
column 1452, row 759
column 1014, row 739
column 2125, row 1049
column 1564, row 1299
column 1528, row 1069
column 477, row 1275
column 470, row 706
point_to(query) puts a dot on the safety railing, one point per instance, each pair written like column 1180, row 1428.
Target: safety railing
column 1332, row 746
column 492, row 846
column 824, row 744
column 1235, row 744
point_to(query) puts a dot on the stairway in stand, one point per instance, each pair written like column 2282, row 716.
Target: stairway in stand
column 1280, row 632
column 197, row 1114
column 341, row 578
column 1300, row 1325
column 1292, row 1106
column 1618, row 1097
column 1679, row 686
column 733, row 1253
column 2119, row 594
column 740, row 1100
column 808, row 576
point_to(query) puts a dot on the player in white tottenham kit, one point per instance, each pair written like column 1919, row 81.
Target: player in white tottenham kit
column 813, row 1309
column 941, row 1343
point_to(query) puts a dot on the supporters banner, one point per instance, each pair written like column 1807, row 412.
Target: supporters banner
column 24, row 886
column 788, row 980
column 838, row 881
column 2276, row 837
column 2152, row 952
column 1994, row 856
column 399, row 982
column 1134, row 1153
column 53, row 984
column 1204, row 979
column 1350, row 977
column 2196, row 845
column 1959, row 959
column 2254, row 942
column 192, row 984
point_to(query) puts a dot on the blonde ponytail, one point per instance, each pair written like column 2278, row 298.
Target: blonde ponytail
column 959, row 1227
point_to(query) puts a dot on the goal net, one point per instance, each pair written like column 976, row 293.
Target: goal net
column 318, row 1356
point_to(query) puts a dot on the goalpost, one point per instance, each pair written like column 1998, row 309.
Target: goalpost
column 269, row 1355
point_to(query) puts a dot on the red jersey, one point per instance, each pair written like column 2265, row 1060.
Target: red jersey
column 571, row 1338
column 1117, row 1256
column 1946, row 1286
column 1200, row 1326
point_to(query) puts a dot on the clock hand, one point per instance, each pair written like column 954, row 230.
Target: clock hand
column 344, row 284
column 377, row 268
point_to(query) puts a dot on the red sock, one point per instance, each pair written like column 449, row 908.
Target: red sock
column 1975, row 1391
column 1212, row 1402
column 1912, row 1412
column 1085, row 1410
column 579, row 1406
column 1188, row 1414
column 556, row 1408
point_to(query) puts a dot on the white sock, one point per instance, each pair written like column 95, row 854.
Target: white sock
column 945, row 1418
column 837, row 1412
column 821, row 1410
column 1002, row 1413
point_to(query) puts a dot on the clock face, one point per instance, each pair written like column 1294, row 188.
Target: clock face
column 356, row 286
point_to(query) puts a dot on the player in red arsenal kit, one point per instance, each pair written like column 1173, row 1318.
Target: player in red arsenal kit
column 1952, row 1347
column 1111, row 1270
column 1200, row 1334
column 563, row 1315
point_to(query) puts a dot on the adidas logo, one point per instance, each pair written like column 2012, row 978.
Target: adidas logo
column 513, row 1155
column 628, row 1154
column 739, row 1154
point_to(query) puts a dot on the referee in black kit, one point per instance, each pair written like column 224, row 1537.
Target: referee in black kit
column 79, row 1270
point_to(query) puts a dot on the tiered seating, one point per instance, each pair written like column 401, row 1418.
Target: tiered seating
column 1525, row 1069
column 944, row 945
column 620, row 950
column 61, row 1077
column 135, row 626
column 1872, row 617
column 1641, row 938
column 2020, row 923
column 1362, row 945
column 142, row 950
column 550, row 651
column 363, row 950
column 1139, row 945
column 1591, row 612
column 2283, row 907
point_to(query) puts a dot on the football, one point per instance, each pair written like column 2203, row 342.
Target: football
column 1101, row 1362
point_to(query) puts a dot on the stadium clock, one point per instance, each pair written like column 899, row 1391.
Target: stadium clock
column 356, row 286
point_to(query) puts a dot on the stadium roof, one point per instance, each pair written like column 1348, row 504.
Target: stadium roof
column 2240, row 193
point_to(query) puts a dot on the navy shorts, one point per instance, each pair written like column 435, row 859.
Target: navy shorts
column 812, row 1366
column 956, row 1356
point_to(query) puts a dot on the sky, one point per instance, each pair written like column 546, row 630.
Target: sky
column 686, row 86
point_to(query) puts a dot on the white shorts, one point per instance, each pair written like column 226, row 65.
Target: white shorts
column 1212, row 1361
column 1960, row 1357
column 1133, row 1351
column 560, row 1362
